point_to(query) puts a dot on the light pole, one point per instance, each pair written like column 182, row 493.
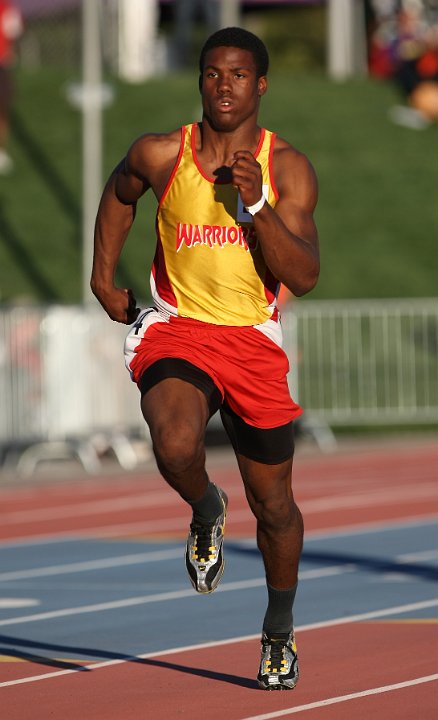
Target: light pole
column 346, row 39
column 91, row 135
column 229, row 13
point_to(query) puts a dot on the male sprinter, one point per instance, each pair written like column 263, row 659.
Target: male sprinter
column 234, row 220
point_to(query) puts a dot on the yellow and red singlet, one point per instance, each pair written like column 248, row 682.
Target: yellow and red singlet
column 208, row 265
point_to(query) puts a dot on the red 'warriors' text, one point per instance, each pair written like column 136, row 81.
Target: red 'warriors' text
column 215, row 236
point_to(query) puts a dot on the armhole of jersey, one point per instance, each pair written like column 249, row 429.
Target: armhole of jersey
column 176, row 166
column 261, row 141
column 271, row 168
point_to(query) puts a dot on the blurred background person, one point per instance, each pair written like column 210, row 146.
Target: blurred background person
column 404, row 47
column 187, row 14
column 11, row 27
column 417, row 67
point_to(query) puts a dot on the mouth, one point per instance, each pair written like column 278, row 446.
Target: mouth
column 224, row 104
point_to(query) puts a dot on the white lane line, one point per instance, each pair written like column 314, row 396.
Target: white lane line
column 373, row 526
column 161, row 597
column 344, row 698
column 113, row 562
column 112, row 605
column 163, row 526
column 133, row 529
column 92, row 507
column 148, row 499
column 400, row 609
column 326, row 572
column 419, row 492
column 78, row 567
column 373, row 614
column 50, row 539
column 419, row 556
column 156, row 499
column 8, row 603
column 141, row 528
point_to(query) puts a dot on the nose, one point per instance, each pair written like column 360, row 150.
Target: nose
column 224, row 84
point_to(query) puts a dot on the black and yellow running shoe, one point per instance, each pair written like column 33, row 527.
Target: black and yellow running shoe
column 279, row 662
column 204, row 552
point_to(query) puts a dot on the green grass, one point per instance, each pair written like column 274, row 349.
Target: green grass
column 377, row 214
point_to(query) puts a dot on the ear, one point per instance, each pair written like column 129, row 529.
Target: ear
column 262, row 85
column 200, row 83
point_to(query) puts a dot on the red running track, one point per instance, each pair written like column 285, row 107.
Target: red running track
column 348, row 488
column 386, row 670
column 362, row 660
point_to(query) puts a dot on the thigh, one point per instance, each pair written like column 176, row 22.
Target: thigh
column 177, row 414
column 267, row 446
column 175, row 367
column 176, row 407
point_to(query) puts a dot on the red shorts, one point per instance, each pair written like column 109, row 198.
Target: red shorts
column 248, row 369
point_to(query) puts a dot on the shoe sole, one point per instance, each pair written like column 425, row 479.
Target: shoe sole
column 277, row 686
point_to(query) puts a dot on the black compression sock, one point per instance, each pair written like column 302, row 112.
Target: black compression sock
column 279, row 616
column 208, row 507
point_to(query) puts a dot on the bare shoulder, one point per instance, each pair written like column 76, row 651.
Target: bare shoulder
column 153, row 153
column 147, row 164
column 293, row 171
column 286, row 157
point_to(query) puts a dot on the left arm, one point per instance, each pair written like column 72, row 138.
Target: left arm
column 287, row 233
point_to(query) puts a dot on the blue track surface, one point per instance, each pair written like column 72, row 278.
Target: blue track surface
column 107, row 599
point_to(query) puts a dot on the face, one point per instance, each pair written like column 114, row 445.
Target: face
column 230, row 88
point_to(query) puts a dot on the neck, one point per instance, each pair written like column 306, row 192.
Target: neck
column 220, row 145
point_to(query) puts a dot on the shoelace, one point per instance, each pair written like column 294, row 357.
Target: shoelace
column 203, row 542
column 276, row 655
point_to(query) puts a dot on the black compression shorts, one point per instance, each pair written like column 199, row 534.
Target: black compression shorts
column 270, row 446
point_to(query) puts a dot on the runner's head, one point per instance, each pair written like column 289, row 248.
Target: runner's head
column 239, row 38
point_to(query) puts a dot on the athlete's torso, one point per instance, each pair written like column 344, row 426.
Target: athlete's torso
column 208, row 265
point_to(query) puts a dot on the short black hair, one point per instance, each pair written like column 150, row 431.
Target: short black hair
column 240, row 38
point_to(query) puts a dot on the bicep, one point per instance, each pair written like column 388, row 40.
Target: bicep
column 130, row 178
column 298, row 195
column 129, row 184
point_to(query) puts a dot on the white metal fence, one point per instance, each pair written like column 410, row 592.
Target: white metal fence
column 365, row 362
column 63, row 386
column 63, row 382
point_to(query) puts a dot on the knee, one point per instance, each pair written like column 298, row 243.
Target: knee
column 276, row 514
column 176, row 451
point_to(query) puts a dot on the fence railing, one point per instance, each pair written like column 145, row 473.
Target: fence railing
column 63, row 386
column 365, row 361
column 63, row 382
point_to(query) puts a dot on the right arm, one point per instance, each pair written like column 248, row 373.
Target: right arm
column 147, row 164
column 114, row 220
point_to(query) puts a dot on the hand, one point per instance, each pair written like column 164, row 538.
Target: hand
column 247, row 177
column 120, row 305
